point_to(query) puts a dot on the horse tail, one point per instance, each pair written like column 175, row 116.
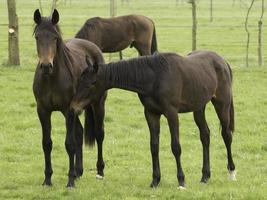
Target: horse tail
column 89, row 127
column 232, row 112
column 154, row 45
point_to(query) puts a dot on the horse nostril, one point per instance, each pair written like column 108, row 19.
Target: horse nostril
column 41, row 65
column 50, row 65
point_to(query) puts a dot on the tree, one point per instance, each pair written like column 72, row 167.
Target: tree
column 260, row 59
column 13, row 34
column 248, row 33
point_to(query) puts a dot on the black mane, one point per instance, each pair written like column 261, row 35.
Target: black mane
column 135, row 71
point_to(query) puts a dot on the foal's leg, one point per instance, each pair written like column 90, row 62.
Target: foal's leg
column 99, row 115
column 223, row 112
column 199, row 117
column 70, row 146
column 153, row 121
column 45, row 119
column 172, row 118
column 79, row 148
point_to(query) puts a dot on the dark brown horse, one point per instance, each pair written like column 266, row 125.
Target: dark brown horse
column 168, row 84
column 116, row 34
column 56, row 76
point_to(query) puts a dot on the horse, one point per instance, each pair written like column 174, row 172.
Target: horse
column 167, row 84
column 55, row 82
column 117, row 33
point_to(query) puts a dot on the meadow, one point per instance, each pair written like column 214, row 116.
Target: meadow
column 126, row 145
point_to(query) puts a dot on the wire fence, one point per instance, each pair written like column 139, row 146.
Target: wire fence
column 172, row 18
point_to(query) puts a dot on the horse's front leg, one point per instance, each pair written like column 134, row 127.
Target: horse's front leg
column 70, row 145
column 173, row 123
column 79, row 148
column 153, row 121
column 45, row 119
column 99, row 115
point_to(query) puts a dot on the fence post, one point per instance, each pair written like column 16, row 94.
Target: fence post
column 194, row 25
column 211, row 10
column 13, row 34
column 113, row 13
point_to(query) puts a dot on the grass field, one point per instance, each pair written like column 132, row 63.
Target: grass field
column 126, row 145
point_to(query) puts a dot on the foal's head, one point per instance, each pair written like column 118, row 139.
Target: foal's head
column 90, row 88
column 47, row 35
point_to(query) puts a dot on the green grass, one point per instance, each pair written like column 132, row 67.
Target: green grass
column 126, row 145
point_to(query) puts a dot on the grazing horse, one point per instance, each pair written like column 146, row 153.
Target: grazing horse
column 116, row 34
column 55, row 82
column 168, row 84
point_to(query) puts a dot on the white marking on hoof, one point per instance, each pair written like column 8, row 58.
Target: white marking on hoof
column 99, row 177
column 232, row 175
column 182, row 188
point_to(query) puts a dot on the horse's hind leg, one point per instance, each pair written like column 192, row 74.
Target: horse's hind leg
column 79, row 148
column 199, row 117
column 143, row 49
column 153, row 121
column 99, row 115
column 223, row 111
column 45, row 119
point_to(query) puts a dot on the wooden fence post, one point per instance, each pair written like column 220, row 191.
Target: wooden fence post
column 211, row 10
column 113, row 13
column 13, row 34
column 194, row 26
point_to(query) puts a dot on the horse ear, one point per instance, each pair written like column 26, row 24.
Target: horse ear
column 91, row 64
column 96, row 67
column 37, row 16
column 55, row 17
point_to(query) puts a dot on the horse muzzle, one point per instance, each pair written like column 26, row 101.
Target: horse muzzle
column 76, row 107
column 46, row 68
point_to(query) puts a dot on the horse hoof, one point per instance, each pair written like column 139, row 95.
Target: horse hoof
column 47, row 183
column 204, row 180
column 70, row 185
column 99, row 177
column 232, row 175
column 154, row 184
column 181, row 188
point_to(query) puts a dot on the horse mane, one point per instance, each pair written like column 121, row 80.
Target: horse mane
column 90, row 24
column 136, row 71
column 64, row 55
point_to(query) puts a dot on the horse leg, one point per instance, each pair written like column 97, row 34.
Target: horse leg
column 79, row 148
column 199, row 117
column 153, row 121
column 70, row 146
column 143, row 49
column 45, row 119
column 223, row 113
column 99, row 115
column 173, row 123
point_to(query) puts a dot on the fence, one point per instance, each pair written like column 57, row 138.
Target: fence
column 173, row 20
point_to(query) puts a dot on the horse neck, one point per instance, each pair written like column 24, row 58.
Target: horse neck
column 62, row 59
column 127, row 77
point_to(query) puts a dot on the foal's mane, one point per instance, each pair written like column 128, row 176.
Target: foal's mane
column 134, row 72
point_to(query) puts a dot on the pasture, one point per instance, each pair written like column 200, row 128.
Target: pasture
column 126, row 145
